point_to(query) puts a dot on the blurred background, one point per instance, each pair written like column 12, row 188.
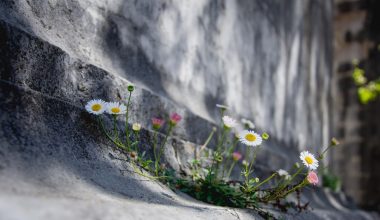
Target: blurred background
column 356, row 44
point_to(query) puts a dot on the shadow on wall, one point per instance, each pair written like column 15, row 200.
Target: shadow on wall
column 49, row 144
column 268, row 60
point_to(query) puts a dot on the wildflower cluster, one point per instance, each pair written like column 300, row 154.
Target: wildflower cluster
column 212, row 178
column 128, row 140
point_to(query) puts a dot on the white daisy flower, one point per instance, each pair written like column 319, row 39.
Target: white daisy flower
column 229, row 122
column 96, row 106
column 250, row 138
column 309, row 160
column 116, row 108
column 248, row 123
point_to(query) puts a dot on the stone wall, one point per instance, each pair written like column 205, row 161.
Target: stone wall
column 268, row 60
column 357, row 37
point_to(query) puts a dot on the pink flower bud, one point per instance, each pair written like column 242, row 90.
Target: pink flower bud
column 312, row 178
column 236, row 156
column 175, row 118
column 157, row 122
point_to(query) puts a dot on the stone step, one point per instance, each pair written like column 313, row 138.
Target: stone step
column 31, row 63
column 54, row 158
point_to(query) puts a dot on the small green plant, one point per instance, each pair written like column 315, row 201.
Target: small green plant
column 367, row 90
column 331, row 181
column 211, row 170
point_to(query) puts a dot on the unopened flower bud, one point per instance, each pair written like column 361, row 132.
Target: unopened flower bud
column 334, row 142
column 133, row 155
column 312, row 178
column 265, row 136
column 236, row 156
column 157, row 123
column 174, row 119
column 245, row 163
column 136, row 127
column 131, row 88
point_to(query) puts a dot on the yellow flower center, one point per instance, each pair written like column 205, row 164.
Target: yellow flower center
column 309, row 160
column 115, row 110
column 250, row 137
column 96, row 107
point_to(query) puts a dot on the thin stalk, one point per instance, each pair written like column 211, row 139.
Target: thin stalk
column 264, row 181
column 117, row 143
column 230, row 170
column 294, row 175
column 300, row 185
column 246, row 176
column 206, row 143
column 323, row 152
column 115, row 133
column 126, row 122
column 218, row 149
column 136, row 170
column 161, row 149
column 254, row 158
column 154, row 149
column 165, row 140
column 233, row 146
column 220, row 142
column 137, row 137
column 291, row 179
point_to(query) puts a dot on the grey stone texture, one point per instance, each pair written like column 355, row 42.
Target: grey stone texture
column 268, row 60
column 183, row 57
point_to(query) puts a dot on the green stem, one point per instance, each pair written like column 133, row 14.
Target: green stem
column 154, row 149
column 291, row 179
column 218, row 149
column 323, row 152
column 300, row 185
column 230, row 170
column 115, row 133
column 165, row 140
column 264, row 181
column 220, row 142
column 137, row 137
column 247, row 172
column 161, row 149
column 233, row 146
column 117, row 143
column 126, row 122
column 254, row 158
column 206, row 143
column 136, row 170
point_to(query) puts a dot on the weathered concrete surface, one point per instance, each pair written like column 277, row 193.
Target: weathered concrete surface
column 55, row 164
column 269, row 60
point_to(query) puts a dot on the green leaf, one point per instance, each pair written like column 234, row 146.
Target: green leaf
column 366, row 95
column 358, row 76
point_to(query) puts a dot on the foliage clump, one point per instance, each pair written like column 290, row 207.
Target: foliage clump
column 210, row 177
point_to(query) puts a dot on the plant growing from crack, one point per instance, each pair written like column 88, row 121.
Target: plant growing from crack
column 210, row 178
